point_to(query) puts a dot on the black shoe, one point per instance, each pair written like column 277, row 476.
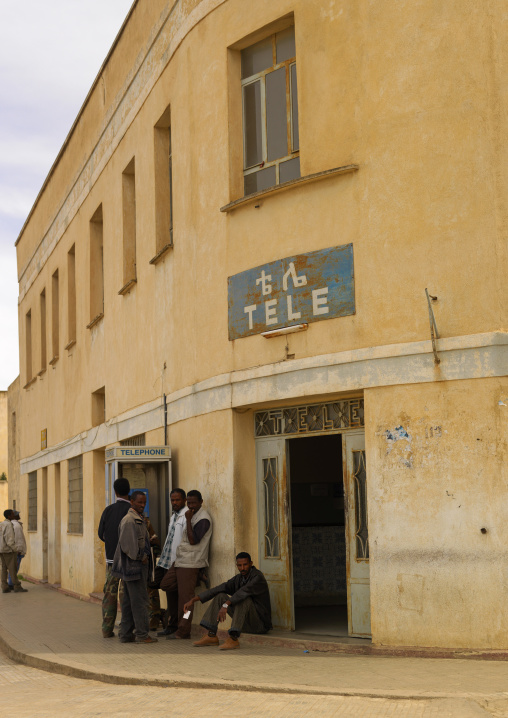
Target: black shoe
column 108, row 635
column 128, row 639
column 167, row 631
column 20, row 589
column 6, row 590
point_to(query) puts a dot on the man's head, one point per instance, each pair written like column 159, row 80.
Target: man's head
column 194, row 500
column 177, row 498
column 17, row 515
column 121, row 488
column 9, row 514
column 243, row 562
column 138, row 501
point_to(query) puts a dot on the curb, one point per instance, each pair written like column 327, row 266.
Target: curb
column 76, row 671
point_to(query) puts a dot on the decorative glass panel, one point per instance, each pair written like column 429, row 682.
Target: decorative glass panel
column 271, row 493
column 360, row 488
column 257, row 58
column 252, row 141
column 285, row 42
column 276, row 115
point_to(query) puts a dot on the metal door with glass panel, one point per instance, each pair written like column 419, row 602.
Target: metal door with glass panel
column 273, row 522
column 357, row 535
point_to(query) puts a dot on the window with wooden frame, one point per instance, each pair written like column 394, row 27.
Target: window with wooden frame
column 270, row 112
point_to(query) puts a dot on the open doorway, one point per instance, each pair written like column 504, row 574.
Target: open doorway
column 318, row 535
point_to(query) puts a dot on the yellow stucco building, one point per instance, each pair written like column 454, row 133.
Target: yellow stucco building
column 222, row 286
column 4, row 462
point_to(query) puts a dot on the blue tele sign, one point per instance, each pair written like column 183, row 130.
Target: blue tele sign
column 295, row 290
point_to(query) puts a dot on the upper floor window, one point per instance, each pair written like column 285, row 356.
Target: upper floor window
column 270, row 112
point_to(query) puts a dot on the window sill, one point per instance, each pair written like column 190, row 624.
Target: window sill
column 53, row 361
column 29, row 383
column 95, row 320
column 74, row 533
column 250, row 198
column 70, row 344
column 161, row 253
column 128, row 286
column 41, row 372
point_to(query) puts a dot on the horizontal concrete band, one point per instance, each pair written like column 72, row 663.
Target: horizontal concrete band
column 475, row 356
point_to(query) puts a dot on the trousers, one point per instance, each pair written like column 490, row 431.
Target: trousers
column 20, row 556
column 244, row 617
column 113, row 592
column 9, row 565
column 180, row 585
column 135, row 604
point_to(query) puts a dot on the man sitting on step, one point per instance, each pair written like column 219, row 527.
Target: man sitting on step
column 244, row 597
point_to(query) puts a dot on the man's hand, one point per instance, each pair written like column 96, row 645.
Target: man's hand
column 144, row 560
column 189, row 514
column 222, row 614
column 153, row 538
column 188, row 606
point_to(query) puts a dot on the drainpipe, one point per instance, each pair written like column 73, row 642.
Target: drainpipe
column 165, row 422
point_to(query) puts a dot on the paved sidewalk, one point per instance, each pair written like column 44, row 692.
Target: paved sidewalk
column 45, row 629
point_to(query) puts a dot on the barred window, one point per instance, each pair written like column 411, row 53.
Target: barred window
column 32, row 501
column 76, row 495
column 138, row 440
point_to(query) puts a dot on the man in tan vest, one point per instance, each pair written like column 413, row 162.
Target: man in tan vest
column 191, row 555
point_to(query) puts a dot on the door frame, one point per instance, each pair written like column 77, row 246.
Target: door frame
column 285, row 514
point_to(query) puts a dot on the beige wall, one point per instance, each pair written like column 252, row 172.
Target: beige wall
column 420, row 106
column 436, row 579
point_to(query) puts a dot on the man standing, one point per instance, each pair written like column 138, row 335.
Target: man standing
column 20, row 541
column 245, row 597
column 191, row 555
column 131, row 564
column 108, row 532
column 176, row 528
column 9, row 554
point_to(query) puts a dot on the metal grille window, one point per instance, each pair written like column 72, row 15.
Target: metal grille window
column 271, row 488
column 76, row 495
column 138, row 440
column 270, row 112
column 361, row 526
column 32, row 501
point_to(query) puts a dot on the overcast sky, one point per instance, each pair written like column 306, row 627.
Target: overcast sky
column 50, row 54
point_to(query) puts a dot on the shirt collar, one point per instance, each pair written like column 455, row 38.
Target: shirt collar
column 118, row 498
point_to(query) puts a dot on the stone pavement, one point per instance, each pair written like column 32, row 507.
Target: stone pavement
column 45, row 629
column 31, row 693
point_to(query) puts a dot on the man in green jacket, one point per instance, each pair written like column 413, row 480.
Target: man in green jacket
column 131, row 564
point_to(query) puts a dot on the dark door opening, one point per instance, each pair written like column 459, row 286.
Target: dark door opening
column 318, row 535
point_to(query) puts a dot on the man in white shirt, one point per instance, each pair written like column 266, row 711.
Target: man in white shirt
column 19, row 538
column 167, row 558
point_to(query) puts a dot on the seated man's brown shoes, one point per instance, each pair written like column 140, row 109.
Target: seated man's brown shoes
column 207, row 641
column 229, row 644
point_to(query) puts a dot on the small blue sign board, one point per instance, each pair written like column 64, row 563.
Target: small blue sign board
column 294, row 290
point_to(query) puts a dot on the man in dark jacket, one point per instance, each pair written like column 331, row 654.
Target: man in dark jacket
column 244, row 597
column 108, row 532
column 131, row 564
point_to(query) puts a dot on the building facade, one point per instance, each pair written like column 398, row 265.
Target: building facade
column 270, row 263
column 4, row 459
